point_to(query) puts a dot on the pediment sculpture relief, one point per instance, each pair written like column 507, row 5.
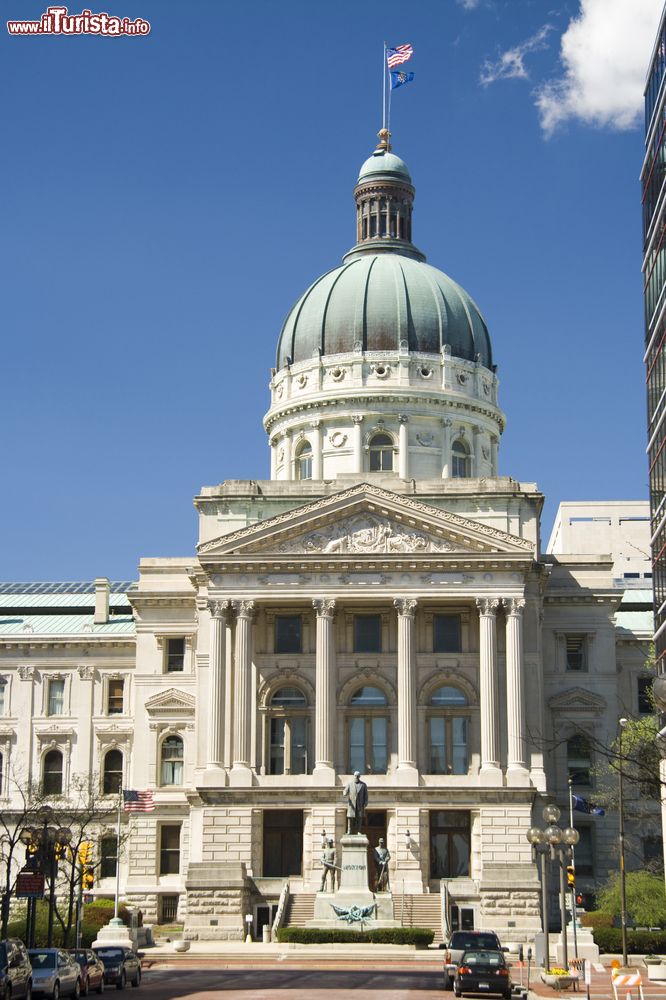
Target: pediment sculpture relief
column 367, row 533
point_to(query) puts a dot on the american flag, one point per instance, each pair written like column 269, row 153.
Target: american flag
column 137, row 802
column 400, row 54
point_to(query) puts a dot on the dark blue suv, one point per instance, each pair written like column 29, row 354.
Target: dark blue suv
column 15, row 970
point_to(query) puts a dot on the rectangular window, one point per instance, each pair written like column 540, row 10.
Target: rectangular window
column 653, row 853
column 56, row 705
column 114, row 700
column 585, row 852
column 367, row 633
column 299, row 752
column 448, row 745
column 576, row 659
column 277, row 746
column 175, row 655
column 288, row 638
column 450, row 843
column 446, row 634
column 645, row 706
column 3, row 696
column 108, row 857
column 170, row 850
column 168, row 909
column 283, row 842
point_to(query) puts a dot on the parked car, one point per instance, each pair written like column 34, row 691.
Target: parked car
column 482, row 971
column 121, row 965
column 458, row 943
column 15, row 970
column 55, row 973
column 92, row 970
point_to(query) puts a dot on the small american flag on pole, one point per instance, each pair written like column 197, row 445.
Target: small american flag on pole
column 398, row 55
column 138, row 802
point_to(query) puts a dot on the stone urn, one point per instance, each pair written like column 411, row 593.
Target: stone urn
column 558, row 982
column 181, row 945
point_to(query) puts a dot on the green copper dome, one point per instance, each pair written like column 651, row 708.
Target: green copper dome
column 384, row 295
column 379, row 300
column 382, row 162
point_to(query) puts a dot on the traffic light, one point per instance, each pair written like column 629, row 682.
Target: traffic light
column 571, row 876
column 85, row 860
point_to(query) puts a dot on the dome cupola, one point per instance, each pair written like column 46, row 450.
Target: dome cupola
column 386, row 347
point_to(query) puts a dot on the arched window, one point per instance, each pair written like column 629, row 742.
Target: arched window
column 304, row 461
column 461, row 466
column 172, row 761
column 112, row 781
column 52, row 773
column 579, row 760
column 289, row 724
column 368, row 731
column 448, row 724
column 381, row 453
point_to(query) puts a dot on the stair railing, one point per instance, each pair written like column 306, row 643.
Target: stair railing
column 281, row 911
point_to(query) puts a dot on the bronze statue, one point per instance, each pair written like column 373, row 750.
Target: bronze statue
column 356, row 794
column 330, row 867
column 381, row 857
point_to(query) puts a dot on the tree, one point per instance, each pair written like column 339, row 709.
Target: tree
column 646, row 901
column 13, row 822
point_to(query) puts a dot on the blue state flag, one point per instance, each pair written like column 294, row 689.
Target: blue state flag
column 399, row 78
column 582, row 805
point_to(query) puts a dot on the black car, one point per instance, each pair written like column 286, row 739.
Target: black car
column 15, row 970
column 482, row 972
column 121, row 965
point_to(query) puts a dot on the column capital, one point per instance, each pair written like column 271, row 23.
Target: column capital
column 405, row 606
column 325, row 608
column 219, row 609
column 446, row 422
column 315, row 424
column 245, row 609
column 514, row 605
column 403, row 418
column 357, row 418
column 488, row 605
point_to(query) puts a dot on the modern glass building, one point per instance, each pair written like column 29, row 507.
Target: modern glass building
column 654, row 271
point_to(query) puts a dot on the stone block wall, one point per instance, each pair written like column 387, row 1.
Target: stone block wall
column 218, row 897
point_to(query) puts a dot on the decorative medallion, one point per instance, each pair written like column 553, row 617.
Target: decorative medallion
column 337, row 439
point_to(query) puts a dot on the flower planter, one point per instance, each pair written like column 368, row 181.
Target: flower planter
column 656, row 971
column 558, row 982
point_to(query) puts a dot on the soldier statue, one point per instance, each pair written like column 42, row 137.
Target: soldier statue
column 356, row 794
column 381, row 857
column 328, row 861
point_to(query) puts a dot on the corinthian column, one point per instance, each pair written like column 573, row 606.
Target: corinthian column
column 515, row 708
column 403, row 447
column 219, row 612
column 490, row 769
column 446, row 447
column 324, row 690
column 317, row 472
column 357, row 421
column 243, row 694
column 406, row 690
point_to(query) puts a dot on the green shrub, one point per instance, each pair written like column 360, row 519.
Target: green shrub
column 95, row 916
column 646, row 900
column 597, row 918
column 609, row 939
column 418, row 936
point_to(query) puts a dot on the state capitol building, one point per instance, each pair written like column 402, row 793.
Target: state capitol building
column 381, row 604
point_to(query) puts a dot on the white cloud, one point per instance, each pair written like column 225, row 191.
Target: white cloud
column 605, row 52
column 469, row 4
column 511, row 64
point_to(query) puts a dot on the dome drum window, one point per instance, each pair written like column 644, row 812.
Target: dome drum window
column 381, row 450
column 461, row 460
column 304, row 461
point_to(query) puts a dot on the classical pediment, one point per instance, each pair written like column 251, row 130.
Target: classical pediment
column 171, row 702
column 367, row 520
column 577, row 700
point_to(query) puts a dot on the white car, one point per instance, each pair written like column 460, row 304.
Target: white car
column 55, row 973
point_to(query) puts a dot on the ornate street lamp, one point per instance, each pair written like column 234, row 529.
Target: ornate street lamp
column 558, row 842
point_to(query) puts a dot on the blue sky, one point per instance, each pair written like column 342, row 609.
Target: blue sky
column 168, row 197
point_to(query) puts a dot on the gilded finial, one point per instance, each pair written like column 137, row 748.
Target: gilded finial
column 384, row 144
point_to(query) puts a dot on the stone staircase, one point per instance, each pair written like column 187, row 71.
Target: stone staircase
column 420, row 911
column 300, row 909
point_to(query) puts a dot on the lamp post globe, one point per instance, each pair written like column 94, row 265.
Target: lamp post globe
column 551, row 814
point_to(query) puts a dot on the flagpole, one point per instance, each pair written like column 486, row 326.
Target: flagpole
column 384, row 89
column 115, row 908
column 573, row 862
column 388, row 120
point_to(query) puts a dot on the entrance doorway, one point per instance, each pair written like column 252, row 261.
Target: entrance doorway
column 449, row 843
column 283, row 842
column 374, row 827
column 264, row 917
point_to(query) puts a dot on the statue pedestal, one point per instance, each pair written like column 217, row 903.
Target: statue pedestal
column 360, row 909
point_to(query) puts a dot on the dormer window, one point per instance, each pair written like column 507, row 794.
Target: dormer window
column 381, row 453
column 460, row 460
column 304, row 461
